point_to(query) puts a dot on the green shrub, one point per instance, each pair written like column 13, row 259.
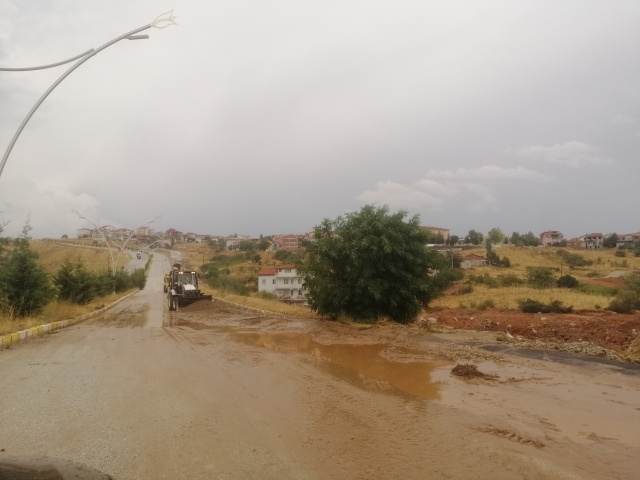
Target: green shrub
column 485, row 280
column 488, row 303
column 446, row 277
column 267, row 295
column 567, row 281
column 491, row 282
column 625, row 302
column 573, row 259
column 25, row 287
column 227, row 283
column 530, row 306
column 621, row 253
column 540, row 277
column 533, row 306
column 464, row 289
column 597, row 290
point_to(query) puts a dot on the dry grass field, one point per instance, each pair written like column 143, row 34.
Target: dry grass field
column 604, row 263
column 53, row 253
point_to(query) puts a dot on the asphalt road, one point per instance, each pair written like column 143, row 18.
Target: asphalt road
column 120, row 394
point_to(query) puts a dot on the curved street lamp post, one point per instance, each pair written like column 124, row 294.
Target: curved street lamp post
column 161, row 21
column 132, row 234
column 113, row 264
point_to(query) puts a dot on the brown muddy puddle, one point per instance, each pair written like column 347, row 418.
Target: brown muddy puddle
column 378, row 367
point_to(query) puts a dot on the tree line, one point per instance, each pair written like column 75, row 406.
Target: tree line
column 26, row 287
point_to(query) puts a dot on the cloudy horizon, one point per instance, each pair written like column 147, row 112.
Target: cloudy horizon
column 257, row 118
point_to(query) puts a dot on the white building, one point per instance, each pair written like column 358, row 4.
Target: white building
column 284, row 281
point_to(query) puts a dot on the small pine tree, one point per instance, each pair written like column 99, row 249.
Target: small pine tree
column 24, row 284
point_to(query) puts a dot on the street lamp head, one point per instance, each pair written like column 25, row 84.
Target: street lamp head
column 164, row 20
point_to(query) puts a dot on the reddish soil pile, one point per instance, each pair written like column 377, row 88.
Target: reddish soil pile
column 605, row 329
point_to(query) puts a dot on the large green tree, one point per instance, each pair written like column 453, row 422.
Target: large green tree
column 367, row 265
column 474, row 237
column 528, row 239
column 610, row 241
column 495, row 236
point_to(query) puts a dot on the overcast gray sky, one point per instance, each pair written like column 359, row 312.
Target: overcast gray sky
column 264, row 117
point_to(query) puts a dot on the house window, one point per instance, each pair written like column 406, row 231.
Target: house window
column 286, row 281
column 264, row 282
column 273, row 281
column 287, row 270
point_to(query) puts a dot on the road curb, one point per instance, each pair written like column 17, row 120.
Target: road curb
column 266, row 313
column 32, row 332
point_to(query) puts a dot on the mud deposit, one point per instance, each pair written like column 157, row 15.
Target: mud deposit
column 387, row 395
column 598, row 333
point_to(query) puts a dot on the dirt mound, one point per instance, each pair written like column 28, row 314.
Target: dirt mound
column 468, row 371
column 608, row 330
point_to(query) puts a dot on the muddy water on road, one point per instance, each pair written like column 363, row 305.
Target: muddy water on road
column 530, row 419
column 371, row 368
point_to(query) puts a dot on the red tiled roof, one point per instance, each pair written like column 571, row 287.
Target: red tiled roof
column 267, row 271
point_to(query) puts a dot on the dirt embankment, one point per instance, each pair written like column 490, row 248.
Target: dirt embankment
column 607, row 330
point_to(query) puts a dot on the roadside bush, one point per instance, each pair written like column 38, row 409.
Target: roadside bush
column 533, row 306
column 621, row 253
column 567, row 281
column 138, row 278
column 465, row 289
column 75, row 283
column 625, row 302
column 25, row 287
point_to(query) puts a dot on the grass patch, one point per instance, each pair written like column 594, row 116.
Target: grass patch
column 260, row 303
column 507, row 298
column 52, row 254
column 597, row 290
